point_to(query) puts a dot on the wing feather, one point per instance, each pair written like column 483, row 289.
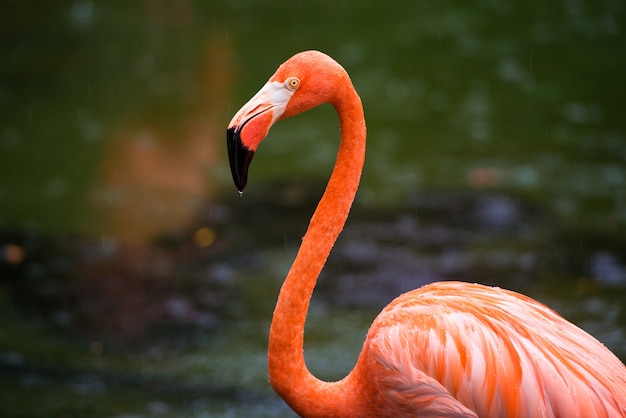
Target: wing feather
column 492, row 351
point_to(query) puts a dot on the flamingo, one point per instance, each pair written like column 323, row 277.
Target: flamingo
column 448, row 349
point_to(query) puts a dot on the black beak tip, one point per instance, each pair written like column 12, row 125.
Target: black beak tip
column 239, row 156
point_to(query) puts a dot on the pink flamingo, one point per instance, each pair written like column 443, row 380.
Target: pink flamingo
column 447, row 349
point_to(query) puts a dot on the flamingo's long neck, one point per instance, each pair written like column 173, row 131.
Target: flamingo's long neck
column 287, row 369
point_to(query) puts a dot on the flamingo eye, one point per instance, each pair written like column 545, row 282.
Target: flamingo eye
column 292, row 83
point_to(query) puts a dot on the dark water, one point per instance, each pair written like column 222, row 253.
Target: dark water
column 135, row 282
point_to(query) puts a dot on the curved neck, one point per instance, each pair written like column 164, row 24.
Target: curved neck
column 288, row 373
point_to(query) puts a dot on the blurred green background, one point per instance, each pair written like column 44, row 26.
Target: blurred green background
column 135, row 282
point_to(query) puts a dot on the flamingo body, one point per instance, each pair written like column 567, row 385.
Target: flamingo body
column 493, row 352
column 447, row 349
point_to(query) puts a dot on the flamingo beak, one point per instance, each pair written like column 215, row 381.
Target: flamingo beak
column 247, row 129
column 250, row 126
column 239, row 156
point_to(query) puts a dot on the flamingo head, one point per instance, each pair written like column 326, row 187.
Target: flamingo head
column 304, row 81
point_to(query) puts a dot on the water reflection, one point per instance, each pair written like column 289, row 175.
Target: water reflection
column 152, row 187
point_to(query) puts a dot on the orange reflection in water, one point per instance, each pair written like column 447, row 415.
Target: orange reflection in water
column 153, row 183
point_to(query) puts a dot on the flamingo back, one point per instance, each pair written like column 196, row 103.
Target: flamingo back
column 471, row 347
